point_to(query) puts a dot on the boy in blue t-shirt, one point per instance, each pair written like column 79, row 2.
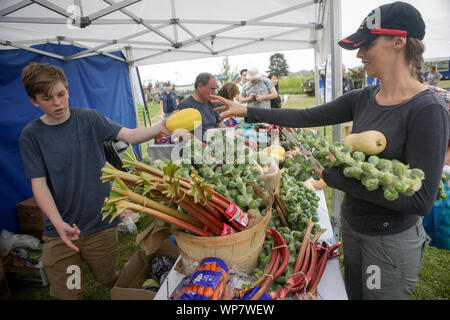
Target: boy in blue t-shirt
column 63, row 154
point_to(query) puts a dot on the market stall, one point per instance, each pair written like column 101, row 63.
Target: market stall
column 126, row 35
column 331, row 287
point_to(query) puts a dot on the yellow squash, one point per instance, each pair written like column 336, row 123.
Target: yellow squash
column 370, row 142
column 187, row 119
column 277, row 151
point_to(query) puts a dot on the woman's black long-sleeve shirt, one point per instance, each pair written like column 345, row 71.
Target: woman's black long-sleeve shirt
column 417, row 133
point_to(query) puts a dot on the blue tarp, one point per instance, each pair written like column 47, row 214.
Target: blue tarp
column 98, row 82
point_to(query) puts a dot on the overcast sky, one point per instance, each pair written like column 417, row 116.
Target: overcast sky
column 353, row 12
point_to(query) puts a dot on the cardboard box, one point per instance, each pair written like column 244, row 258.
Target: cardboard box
column 136, row 271
column 31, row 218
column 5, row 294
column 21, row 272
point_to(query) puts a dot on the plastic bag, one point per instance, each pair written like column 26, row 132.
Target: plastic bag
column 128, row 226
column 437, row 222
column 210, row 281
column 9, row 240
column 160, row 268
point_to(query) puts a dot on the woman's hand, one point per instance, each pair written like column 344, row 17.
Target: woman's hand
column 319, row 171
column 231, row 108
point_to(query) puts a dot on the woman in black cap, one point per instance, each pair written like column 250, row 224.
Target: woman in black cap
column 383, row 241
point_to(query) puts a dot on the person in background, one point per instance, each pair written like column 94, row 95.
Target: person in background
column 259, row 91
column 347, row 85
column 62, row 152
column 383, row 240
column 168, row 102
column 433, row 76
column 276, row 102
column 229, row 91
column 205, row 85
column 241, row 84
column 347, row 82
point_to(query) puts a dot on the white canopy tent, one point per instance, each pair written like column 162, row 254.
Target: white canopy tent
column 164, row 31
column 157, row 31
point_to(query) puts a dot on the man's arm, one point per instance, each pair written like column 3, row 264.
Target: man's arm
column 273, row 94
column 45, row 200
column 161, row 106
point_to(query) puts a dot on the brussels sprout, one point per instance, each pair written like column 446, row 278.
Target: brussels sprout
column 400, row 186
column 374, row 160
column 284, row 230
column 390, row 194
column 348, row 172
column 332, row 149
column 416, row 174
column 253, row 204
column 372, row 184
column 292, row 218
column 399, row 169
column 297, row 235
column 289, row 162
column 304, row 176
column 367, row 167
column 359, row 156
column 384, row 165
column 242, row 201
column 288, row 238
column 385, row 178
column 347, row 149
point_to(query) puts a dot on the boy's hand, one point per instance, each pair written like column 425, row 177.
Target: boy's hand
column 164, row 129
column 68, row 234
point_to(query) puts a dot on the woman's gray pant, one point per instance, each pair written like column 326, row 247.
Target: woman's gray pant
column 382, row 267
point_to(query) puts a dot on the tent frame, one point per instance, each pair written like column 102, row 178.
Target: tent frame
column 172, row 44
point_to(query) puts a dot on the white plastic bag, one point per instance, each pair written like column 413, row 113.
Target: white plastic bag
column 127, row 226
column 9, row 240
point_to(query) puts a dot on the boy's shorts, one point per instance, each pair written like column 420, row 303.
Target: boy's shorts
column 62, row 264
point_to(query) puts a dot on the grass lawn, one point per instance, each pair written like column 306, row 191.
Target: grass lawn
column 444, row 84
column 433, row 282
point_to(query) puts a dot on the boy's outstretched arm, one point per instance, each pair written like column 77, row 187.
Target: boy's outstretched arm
column 45, row 200
column 139, row 135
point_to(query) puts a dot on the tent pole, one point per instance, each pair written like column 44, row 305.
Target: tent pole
column 336, row 64
column 143, row 95
column 316, row 77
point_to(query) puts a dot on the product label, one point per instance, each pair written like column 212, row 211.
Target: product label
column 206, row 278
column 236, row 213
column 226, row 230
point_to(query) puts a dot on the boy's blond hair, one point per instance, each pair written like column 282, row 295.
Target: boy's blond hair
column 40, row 78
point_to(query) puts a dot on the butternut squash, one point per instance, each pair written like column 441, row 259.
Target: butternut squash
column 187, row 119
column 370, row 142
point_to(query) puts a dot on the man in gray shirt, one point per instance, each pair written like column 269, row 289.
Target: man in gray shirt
column 205, row 85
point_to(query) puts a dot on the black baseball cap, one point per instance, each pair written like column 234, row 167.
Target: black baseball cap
column 394, row 19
